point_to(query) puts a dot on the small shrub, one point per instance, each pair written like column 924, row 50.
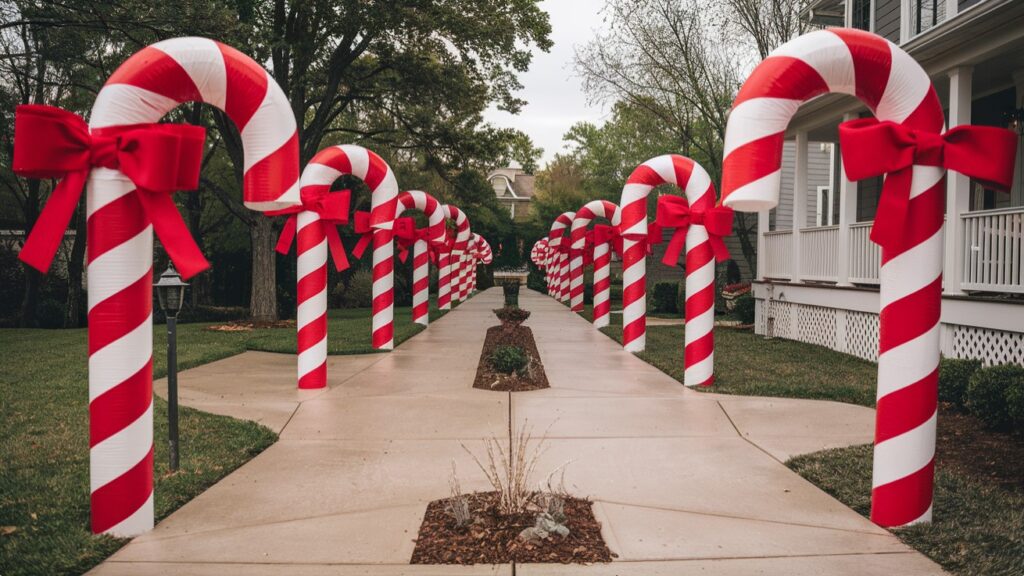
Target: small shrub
column 1015, row 404
column 681, row 298
column 535, row 281
column 358, row 293
column 989, row 391
column 744, row 309
column 954, row 376
column 664, row 297
column 511, row 316
column 508, row 359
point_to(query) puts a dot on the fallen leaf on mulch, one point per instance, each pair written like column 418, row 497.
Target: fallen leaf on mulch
column 8, row 530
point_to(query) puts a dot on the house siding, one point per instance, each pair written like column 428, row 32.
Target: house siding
column 887, row 19
column 781, row 218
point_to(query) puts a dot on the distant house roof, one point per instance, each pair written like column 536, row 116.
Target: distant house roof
column 511, row 183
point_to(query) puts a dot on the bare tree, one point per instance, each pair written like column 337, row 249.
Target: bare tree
column 683, row 61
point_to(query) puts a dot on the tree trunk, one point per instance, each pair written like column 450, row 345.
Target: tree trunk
column 33, row 279
column 76, row 263
column 263, row 302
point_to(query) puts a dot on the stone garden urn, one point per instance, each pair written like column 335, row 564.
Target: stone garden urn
column 510, row 281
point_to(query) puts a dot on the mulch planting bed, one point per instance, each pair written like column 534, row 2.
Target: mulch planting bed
column 493, row 538
column 530, row 378
column 964, row 445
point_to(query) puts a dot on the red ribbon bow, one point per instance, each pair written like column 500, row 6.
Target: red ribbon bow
column 332, row 207
column 675, row 212
column 871, row 148
column 407, row 234
column 587, row 251
column 361, row 226
column 158, row 158
column 603, row 233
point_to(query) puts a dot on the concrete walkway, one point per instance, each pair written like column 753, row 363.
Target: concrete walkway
column 683, row 482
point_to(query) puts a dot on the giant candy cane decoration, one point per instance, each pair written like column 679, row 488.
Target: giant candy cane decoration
column 334, row 162
column 482, row 254
column 906, row 144
column 142, row 90
column 448, row 261
column 418, row 200
column 695, row 183
column 560, row 254
column 602, row 260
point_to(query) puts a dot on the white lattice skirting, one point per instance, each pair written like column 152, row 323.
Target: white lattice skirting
column 856, row 333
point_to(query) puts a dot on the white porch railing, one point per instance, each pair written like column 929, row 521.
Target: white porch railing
column 818, row 250
column 994, row 250
column 779, row 259
column 865, row 255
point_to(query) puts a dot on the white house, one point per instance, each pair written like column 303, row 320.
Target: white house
column 817, row 272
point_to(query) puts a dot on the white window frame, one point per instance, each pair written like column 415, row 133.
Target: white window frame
column 825, row 199
column 848, row 18
column 907, row 34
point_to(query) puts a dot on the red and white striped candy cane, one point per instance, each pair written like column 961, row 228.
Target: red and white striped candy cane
column 694, row 218
column 560, row 247
column 896, row 89
column 539, row 257
column 449, row 261
column 602, row 261
column 418, row 200
column 632, row 222
column 334, row 162
column 468, row 267
column 482, row 254
column 142, row 90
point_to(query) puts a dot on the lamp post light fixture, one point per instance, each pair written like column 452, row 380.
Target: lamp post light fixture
column 171, row 292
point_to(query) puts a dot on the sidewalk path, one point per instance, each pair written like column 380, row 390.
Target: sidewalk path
column 682, row 481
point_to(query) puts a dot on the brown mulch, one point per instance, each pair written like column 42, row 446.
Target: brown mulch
column 493, row 538
column 532, row 378
column 965, row 446
column 248, row 326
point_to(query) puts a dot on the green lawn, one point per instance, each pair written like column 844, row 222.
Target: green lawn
column 44, row 453
column 978, row 529
column 747, row 364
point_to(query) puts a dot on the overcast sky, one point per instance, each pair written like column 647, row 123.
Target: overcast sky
column 554, row 95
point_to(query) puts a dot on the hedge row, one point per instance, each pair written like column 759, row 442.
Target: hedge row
column 995, row 395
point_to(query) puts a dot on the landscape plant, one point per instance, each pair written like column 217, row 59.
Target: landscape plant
column 954, row 377
column 509, row 467
column 508, row 359
column 511, row 317
column 991, row 390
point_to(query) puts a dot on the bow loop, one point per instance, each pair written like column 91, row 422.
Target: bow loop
column 361, row 226
column 872, row 148
column 331, row 207
column 158, row 158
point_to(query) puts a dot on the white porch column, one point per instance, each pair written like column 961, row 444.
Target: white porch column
column 1017, row 191
column 958, row 186
column 799, row 200
column 847, row 216
column 762, row 246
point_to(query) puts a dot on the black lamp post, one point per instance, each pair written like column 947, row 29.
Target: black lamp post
column 171, row 292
